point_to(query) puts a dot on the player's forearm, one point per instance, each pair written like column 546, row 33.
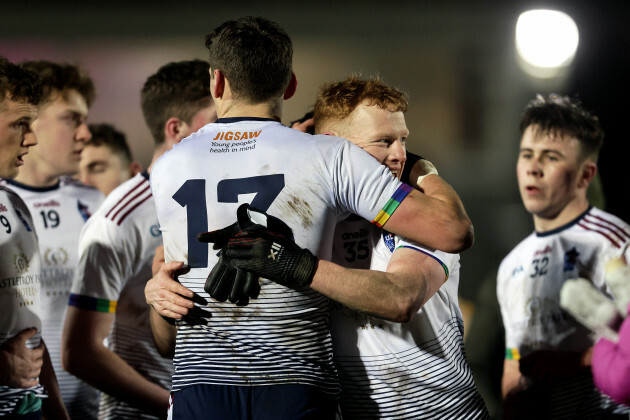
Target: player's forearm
column 108, row 372
column 510, row 381
column 164, row 334
column 438, row 221
column 52, row 407
column 373, row 292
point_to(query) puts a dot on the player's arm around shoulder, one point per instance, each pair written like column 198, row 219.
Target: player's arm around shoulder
column 418, row 275
column 433, row 215
column 412, row 277
column 168, row 299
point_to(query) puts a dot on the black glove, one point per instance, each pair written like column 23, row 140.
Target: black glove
column 228, row 282
column 272, row 256
column 246, row 216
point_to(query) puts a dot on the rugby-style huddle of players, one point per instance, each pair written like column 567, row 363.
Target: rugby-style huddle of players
column 261, row 271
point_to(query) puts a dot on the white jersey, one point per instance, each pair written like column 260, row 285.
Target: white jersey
column 59, row 213
column 20, row 268
column 528, row 288
column 407, row 370
column 310, row 182
column 115, row 254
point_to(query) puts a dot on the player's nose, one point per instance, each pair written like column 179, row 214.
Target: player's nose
column 30, row 139
column 83, row 133
column 534, row 168
column 398, row 152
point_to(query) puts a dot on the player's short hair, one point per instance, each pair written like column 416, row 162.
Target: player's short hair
column 336, row 101
column 60, row 78
column 18, row 84
column 255, row 55
column 561, row 115
column 178, row 89
column 108, row 136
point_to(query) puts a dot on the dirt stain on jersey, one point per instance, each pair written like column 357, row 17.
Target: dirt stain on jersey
column 301, row 208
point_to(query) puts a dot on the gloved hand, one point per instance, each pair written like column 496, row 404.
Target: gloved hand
column 228, row 282
column 246, row 216
column 588, row 305
column 272, row 256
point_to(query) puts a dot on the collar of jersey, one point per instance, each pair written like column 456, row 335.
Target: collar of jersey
column 145, row 174
column 34, row 189
column 239, row 119
column 563, row 227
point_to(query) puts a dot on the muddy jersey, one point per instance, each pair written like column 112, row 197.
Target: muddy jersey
column 115, row 254
column 528, row 288
column 407, row 370
column 59, row 213
column 20, row 271
column 311, row 183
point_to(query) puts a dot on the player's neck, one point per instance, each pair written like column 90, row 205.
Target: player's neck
column 34, row 175
column 235, row 109
column 569, row 213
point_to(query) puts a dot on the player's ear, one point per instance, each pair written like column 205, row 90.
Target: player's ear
column 134, row 168
column 291, row 88
column 172, row 129
column 217, row 84
column 589, row 170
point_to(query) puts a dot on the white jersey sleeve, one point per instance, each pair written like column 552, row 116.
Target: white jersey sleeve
column 449, row 262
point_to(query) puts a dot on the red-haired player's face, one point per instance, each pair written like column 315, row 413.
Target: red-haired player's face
column 380, row 132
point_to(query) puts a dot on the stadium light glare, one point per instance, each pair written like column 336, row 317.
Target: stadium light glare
column 546, row 41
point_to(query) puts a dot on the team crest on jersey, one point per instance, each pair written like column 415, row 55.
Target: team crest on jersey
column 24, row 222
column 570, row 259
column 3, row 208
column 155, row 230
column 388, row 238
column 56, row 256
column 21, row 262
column 83, row 210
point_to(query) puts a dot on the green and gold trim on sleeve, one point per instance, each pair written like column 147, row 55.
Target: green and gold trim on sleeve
column 392, row 204
column 512, row 354
column 92, row 304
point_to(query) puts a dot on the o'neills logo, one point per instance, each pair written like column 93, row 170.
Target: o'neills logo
column 547, row 250
column 237, row 135
column 51, row 203
column 3, row 207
